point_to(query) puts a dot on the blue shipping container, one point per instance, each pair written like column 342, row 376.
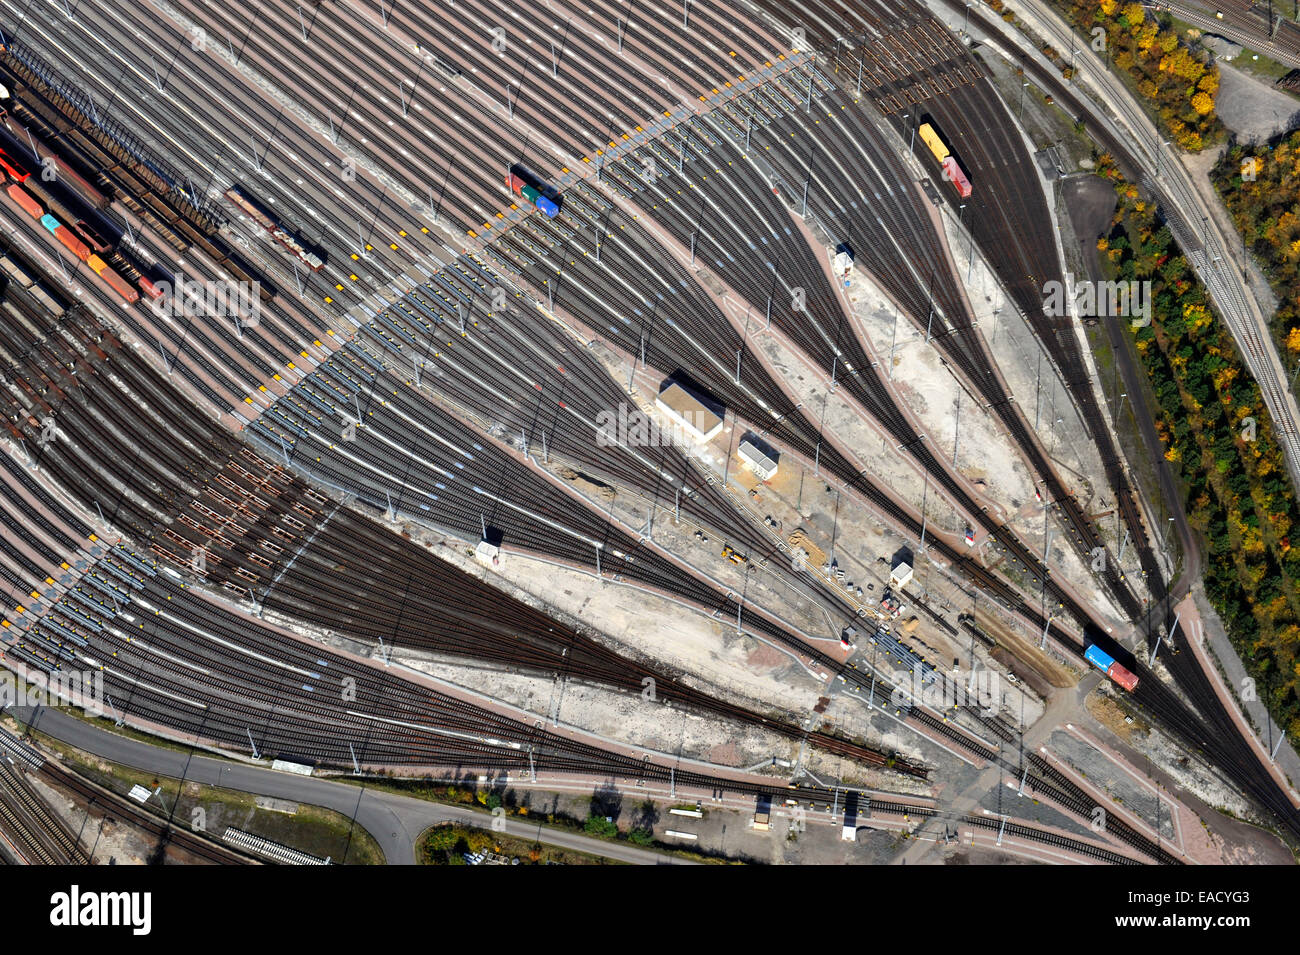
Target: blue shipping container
column 1098, row 658
column 547, row 206
column 49, row 222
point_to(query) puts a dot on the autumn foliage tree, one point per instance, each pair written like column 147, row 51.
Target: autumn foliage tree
column 1219, row 441
column 1180, row 82
column 1260, row 185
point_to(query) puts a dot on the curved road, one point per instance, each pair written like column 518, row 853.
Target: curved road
column 1087, row 232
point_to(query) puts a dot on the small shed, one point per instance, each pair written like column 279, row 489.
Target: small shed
column 488, row 554
column 759, row 456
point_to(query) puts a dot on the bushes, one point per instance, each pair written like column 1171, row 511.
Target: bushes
column 1180, row 82
column 601, row 827
column 1260, row 185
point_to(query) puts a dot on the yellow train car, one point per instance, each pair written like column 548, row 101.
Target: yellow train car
column 931, row 139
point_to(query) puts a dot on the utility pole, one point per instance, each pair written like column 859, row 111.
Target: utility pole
column 956, row 429
column 812, row 157
column 557, row 53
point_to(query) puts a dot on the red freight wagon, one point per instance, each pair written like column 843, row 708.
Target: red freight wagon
column 20, row 195
column 515, row 183
column 72, row 242
column 1123, row 677
column 13, row 167
column 119, row 285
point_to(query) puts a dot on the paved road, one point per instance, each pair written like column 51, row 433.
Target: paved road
column 1078, row 201
column 395, row 821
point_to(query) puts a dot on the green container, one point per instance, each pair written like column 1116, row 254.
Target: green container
column 530, row 194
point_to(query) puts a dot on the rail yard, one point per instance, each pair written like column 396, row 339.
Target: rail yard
column 644, row 428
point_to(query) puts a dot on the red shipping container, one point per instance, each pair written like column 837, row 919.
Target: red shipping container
column 13, row 167
column 1123, row 677
column 20, row 195
column 120, row 285
column 515, row 183
column 72, row 242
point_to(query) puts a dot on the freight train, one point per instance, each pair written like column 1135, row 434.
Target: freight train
column 287, row 239
column 67, row 174
column 1104, row 662
column 48, row 147
column 520, row 181
column 13, row 168
column 72, row 241
column 952, row 170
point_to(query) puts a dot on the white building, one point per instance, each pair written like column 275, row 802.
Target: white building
column 759, row 456
column 693, row 413
column 489, row 555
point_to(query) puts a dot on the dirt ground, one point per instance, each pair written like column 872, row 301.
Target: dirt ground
column 1253, row 108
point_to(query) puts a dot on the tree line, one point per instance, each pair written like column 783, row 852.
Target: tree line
column 1219, row 439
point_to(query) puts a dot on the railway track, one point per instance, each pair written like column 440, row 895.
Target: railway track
column 364, row 544
column 819, row 450
column 43, row 839
column 123, row 809
column 881, row 700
